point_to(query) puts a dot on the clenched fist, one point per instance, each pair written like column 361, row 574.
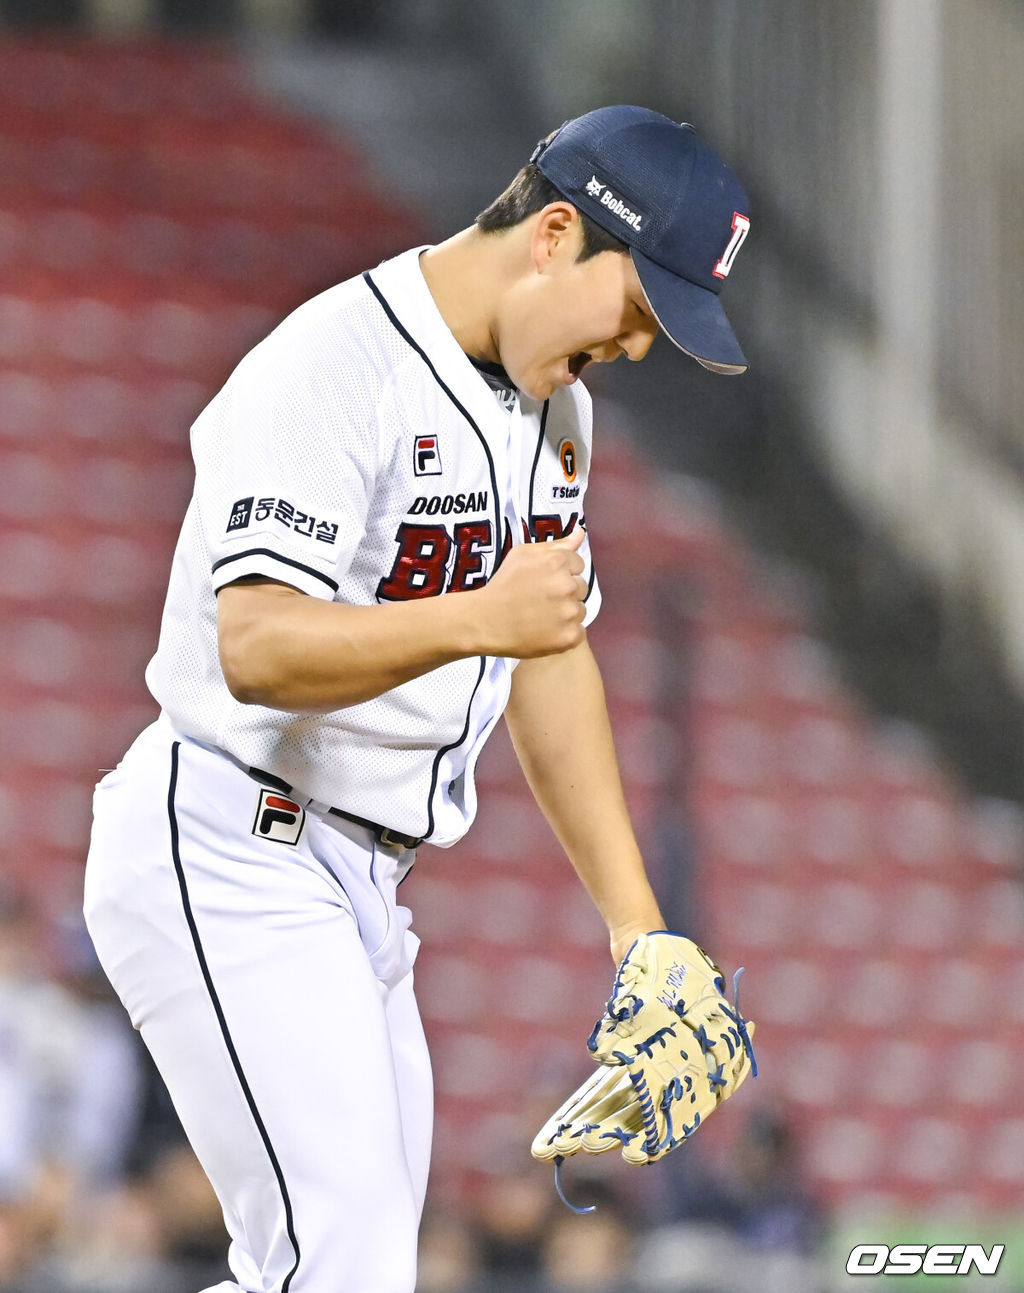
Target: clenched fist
column 533, row 606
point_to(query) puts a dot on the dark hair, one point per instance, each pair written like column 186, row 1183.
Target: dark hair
column 531, row 192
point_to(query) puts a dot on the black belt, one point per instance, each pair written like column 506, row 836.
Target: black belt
column 383, row 834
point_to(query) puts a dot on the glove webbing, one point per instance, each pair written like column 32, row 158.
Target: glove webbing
column 676, row 1090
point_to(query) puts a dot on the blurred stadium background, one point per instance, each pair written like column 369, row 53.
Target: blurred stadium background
column 813, row 631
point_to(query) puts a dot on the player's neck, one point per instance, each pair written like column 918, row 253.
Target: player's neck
column 466, row 275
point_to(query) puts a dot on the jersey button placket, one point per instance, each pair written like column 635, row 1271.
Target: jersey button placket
column 513, row 477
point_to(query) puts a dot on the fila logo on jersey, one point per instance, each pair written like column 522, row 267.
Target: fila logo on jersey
column 426, row 458
column 740, row 229
column 278, row 818
column 506, row 397
column 597, row 189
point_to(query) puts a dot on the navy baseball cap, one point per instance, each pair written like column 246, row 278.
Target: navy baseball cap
column 659, row 187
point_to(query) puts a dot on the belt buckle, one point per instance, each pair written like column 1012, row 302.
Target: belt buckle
column 388, row 838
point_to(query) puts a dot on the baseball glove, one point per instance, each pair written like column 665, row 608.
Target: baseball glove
column 672, row 1049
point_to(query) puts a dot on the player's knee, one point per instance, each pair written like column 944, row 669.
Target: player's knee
column 367, row 1245
column 388, row 1267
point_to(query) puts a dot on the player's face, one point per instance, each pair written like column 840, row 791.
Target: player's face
column 572, row 313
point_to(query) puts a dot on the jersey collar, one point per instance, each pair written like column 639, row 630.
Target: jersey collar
column 402, row 284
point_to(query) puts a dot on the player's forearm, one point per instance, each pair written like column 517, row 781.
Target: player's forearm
column 558, row 721
column 286, row 651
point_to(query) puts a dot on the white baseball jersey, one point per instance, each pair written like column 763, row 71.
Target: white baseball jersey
column 358, row 455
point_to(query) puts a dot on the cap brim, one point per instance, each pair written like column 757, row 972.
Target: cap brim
column 690, row 316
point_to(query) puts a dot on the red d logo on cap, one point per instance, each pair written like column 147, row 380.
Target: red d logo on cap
column 740, row 229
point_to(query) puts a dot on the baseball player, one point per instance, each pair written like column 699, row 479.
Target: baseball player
column 385, row 552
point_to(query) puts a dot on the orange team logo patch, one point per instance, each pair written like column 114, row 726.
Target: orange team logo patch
column 567, row 457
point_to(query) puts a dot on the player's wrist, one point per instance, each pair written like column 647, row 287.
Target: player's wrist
column 465, row 624
column 622, row 937
column 631, row 910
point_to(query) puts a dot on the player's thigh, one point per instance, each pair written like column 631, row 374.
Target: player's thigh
column 286, row 1087
column 415, row 1081
column 256, row 997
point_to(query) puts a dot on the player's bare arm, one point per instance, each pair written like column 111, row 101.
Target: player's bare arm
column 576, row 782
column 284, row 650
column 646, row 1098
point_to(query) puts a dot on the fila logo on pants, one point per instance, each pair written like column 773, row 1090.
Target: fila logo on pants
column 278, row 818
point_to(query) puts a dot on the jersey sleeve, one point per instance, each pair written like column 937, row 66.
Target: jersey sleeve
column 592, row 601
column 562, row 474
column 285, row 465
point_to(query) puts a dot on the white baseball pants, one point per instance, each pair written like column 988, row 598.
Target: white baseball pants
column 272, row 983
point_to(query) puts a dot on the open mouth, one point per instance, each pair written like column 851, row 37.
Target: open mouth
column 578, row 362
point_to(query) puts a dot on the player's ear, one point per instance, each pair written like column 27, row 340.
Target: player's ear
column 557, row 233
